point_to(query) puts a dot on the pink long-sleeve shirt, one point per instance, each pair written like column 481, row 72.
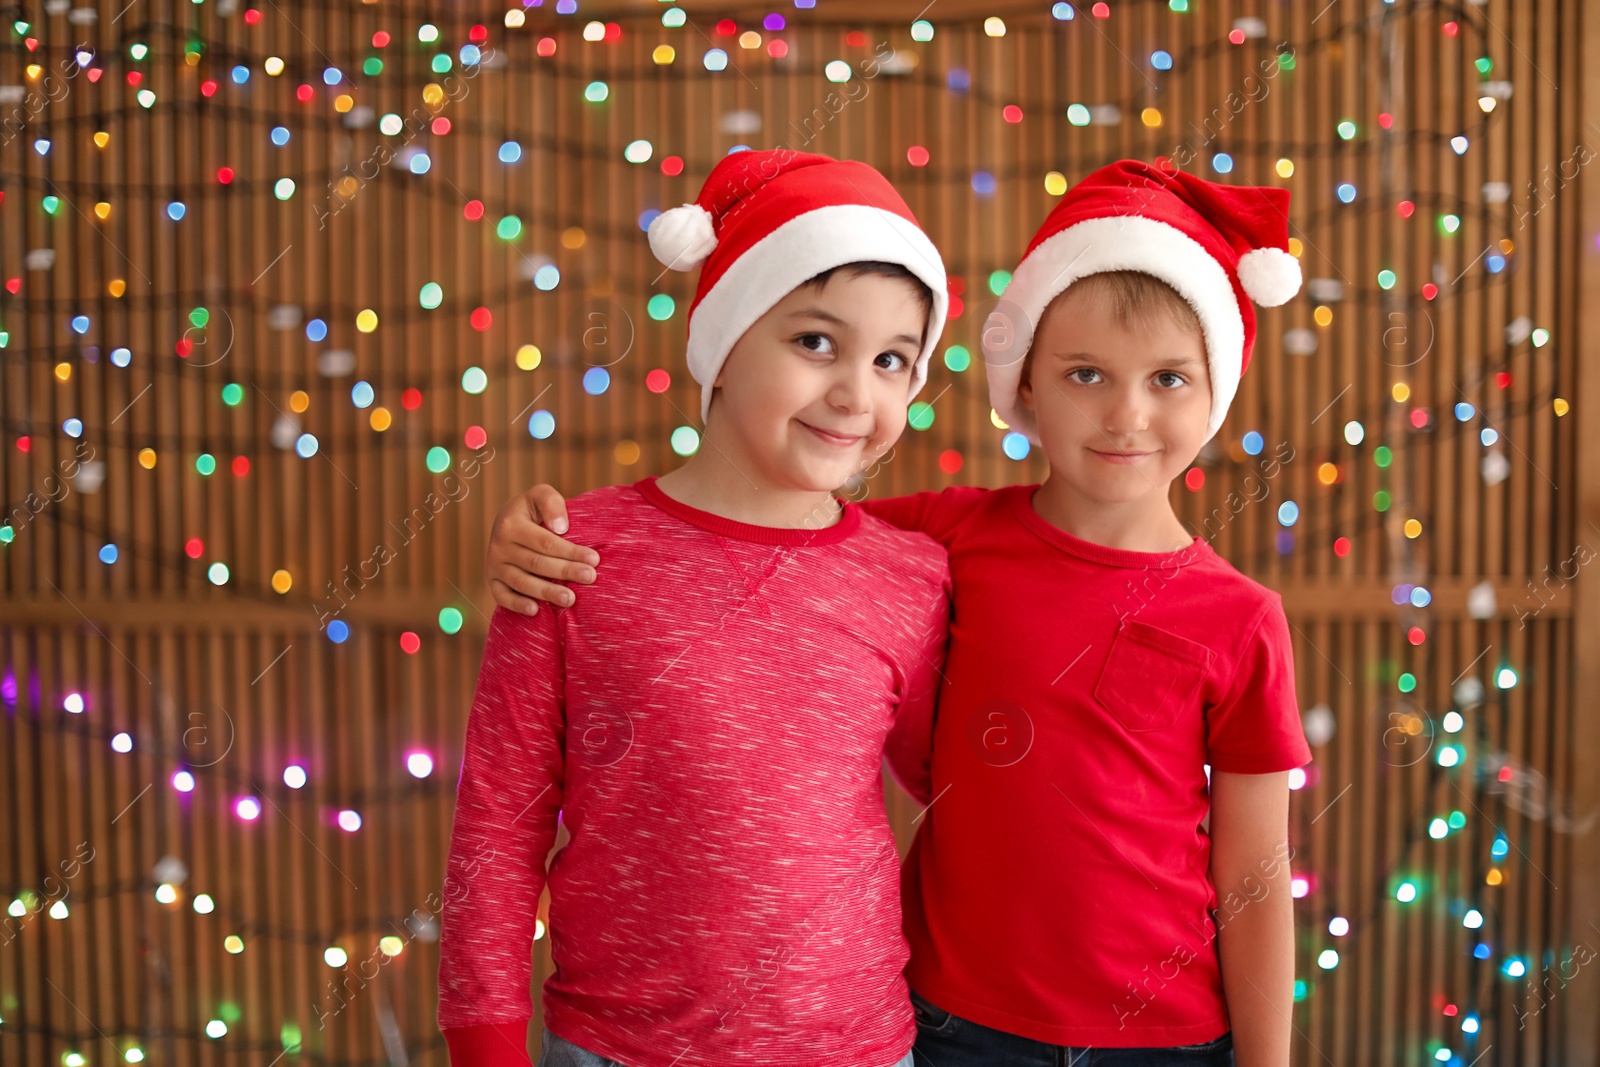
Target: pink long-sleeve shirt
column 709, row 722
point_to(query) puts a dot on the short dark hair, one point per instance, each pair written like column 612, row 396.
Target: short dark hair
column 878, row 269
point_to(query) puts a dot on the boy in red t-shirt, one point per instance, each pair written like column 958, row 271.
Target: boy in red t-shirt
column 710, row 724
column 1104, row 864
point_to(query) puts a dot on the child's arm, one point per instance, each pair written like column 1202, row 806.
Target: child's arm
column 526, row 549
column 505, row 823
column 1250, row 863
column 909, row 747
column 523, row 552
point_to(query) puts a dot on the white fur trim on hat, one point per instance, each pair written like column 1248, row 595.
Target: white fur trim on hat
column 1097, row 246
column 793, row 254
column 1270, row 275
column 682, row 237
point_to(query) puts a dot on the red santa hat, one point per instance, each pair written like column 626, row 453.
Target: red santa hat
column 765, row 223
column 1219, row 246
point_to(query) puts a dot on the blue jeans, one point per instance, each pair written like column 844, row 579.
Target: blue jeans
column 559, row 1052
column 947, row 1040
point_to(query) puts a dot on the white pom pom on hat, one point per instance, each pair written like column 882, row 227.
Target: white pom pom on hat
column 682, row 237
column 1270, row 276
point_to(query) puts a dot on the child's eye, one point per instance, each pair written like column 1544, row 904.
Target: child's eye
column 815, row 342
column 1084, row 375
column 903, row 364
column 1169, row 379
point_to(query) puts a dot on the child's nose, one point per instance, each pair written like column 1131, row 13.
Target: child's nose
column 1130, row 413
column 851, row 386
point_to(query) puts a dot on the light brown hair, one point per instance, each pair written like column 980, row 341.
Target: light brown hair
column 1134, row 297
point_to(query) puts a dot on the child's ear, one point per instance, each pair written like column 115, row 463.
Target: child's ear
column 1025, row 386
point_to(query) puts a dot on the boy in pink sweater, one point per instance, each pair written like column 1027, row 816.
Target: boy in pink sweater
column 1103, row 876
column 710, row 724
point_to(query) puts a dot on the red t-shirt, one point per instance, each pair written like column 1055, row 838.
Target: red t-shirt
column 1059, row 886
column 710, row 719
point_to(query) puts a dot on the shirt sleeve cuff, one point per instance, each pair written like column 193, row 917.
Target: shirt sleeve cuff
column 1271, row 763
column 489, row 1045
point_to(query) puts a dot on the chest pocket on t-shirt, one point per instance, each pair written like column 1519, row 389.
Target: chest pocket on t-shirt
column 1151, row 676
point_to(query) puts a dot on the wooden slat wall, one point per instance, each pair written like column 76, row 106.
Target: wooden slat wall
column 236, row 682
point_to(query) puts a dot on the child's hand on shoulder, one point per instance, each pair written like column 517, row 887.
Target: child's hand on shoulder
column 526, row 549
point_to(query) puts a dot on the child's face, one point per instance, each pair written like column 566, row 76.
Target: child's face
column 1121, row 409
column 816, row 389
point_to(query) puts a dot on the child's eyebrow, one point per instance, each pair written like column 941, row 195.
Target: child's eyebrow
column 818, row 313
column 834, row 320
column 1171, row 363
